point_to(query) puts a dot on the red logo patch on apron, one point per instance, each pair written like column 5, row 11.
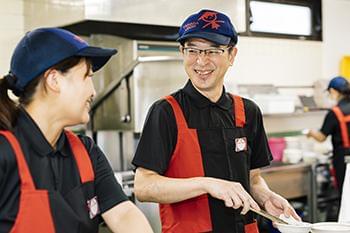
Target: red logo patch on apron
column 241, row 144
column 93, row 207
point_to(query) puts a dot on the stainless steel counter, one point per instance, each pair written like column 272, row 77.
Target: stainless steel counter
column 293, row 181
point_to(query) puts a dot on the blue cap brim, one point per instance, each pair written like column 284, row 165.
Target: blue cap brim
column 214, row 37
column 99, row 56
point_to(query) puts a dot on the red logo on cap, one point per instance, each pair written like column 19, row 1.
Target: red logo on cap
column 211, row 19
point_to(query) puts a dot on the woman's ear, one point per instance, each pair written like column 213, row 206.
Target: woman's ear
column 52, row 80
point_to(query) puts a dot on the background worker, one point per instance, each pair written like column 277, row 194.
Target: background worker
column 336, row 124
column 50, row 179
column 201, row 148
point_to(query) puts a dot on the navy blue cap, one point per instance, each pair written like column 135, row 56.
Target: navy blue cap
column 210, row 25
column 43, row 48
column 338, row 83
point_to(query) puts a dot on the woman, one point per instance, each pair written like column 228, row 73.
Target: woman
column 336, row 124
column 50, row 179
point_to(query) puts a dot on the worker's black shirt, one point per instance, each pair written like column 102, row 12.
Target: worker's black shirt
column 331, row 125
column 51, row 169
column 159, row 137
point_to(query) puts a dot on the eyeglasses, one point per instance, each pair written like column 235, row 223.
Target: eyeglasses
column 211, row 52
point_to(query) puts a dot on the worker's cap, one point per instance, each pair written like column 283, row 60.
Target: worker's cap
column 210, row 25
column 338, row 83
column 43, row 48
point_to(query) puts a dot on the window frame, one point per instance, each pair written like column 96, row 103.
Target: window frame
column 316, row 20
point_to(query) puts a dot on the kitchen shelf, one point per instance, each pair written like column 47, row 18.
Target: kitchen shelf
column 291, row 124
column 297, row 113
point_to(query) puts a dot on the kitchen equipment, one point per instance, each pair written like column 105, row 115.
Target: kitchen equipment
column 152, row 69
column 330, row 227
column 277, row 145
column 300, row 228
column 275, row 103
column 308, row 103
column 292, row 142
column 268, row 216
column 309, row 157
column 292, row 155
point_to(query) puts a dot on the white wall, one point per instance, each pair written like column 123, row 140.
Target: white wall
column 11, row 27
column 277, row 61
column 20, row 16
column 259, row 60
column 46, row 13
column 336, row 35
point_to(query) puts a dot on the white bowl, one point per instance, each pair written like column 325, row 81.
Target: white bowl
column 330, row 227
column 300, row 228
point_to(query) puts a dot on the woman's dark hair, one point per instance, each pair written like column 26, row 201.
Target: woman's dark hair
column 9, row 108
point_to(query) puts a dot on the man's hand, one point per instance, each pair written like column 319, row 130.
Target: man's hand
column 277, row 205
column 232, row 193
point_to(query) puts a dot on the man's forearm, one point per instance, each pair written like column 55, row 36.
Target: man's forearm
column 152, row 187
column 258, row 187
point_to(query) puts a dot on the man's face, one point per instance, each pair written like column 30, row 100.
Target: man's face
column 206, row 69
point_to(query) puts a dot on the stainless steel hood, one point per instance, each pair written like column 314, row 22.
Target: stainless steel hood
column 160, row 12
column 156, row 19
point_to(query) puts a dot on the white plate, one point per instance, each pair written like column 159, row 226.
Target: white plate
column 302, row 228
column 330, row 227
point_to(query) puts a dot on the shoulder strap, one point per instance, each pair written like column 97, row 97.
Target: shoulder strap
column 343, row 128
column 179, row 116
column 81, row 157
column 23, row 170
column 238, row 109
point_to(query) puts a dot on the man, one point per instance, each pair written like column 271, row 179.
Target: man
column 201, row 148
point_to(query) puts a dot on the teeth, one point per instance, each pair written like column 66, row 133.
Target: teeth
column 203, row 72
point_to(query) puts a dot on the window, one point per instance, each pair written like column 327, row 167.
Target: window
column 285, row 18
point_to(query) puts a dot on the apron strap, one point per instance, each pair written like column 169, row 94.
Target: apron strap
column 343, row 128
column 23, row 170
column 179, row 116
column 81, row 157
column 238, row 109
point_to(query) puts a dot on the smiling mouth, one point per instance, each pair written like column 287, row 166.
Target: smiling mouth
column 203, row 72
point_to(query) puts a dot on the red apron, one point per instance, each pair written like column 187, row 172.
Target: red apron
column 193, row 215
column 338, row 157
column 34, row 214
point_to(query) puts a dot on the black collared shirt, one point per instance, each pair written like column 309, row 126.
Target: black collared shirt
column 215, row 124
column 159, row 135
column 331, row 125
column 51, row 169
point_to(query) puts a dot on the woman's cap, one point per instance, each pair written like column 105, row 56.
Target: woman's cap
column 338, row 83
column 43, row 48
column 210, row 25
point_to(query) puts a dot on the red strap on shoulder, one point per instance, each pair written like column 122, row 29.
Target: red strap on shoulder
column 179, row 116
column 81, row 157
column 23, row 170
column 238, row 109
column 343, row 128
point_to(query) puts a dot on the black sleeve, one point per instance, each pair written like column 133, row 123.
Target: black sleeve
column 261, row 154
column 329, row 124
column 158, row 138
column 108, row 190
